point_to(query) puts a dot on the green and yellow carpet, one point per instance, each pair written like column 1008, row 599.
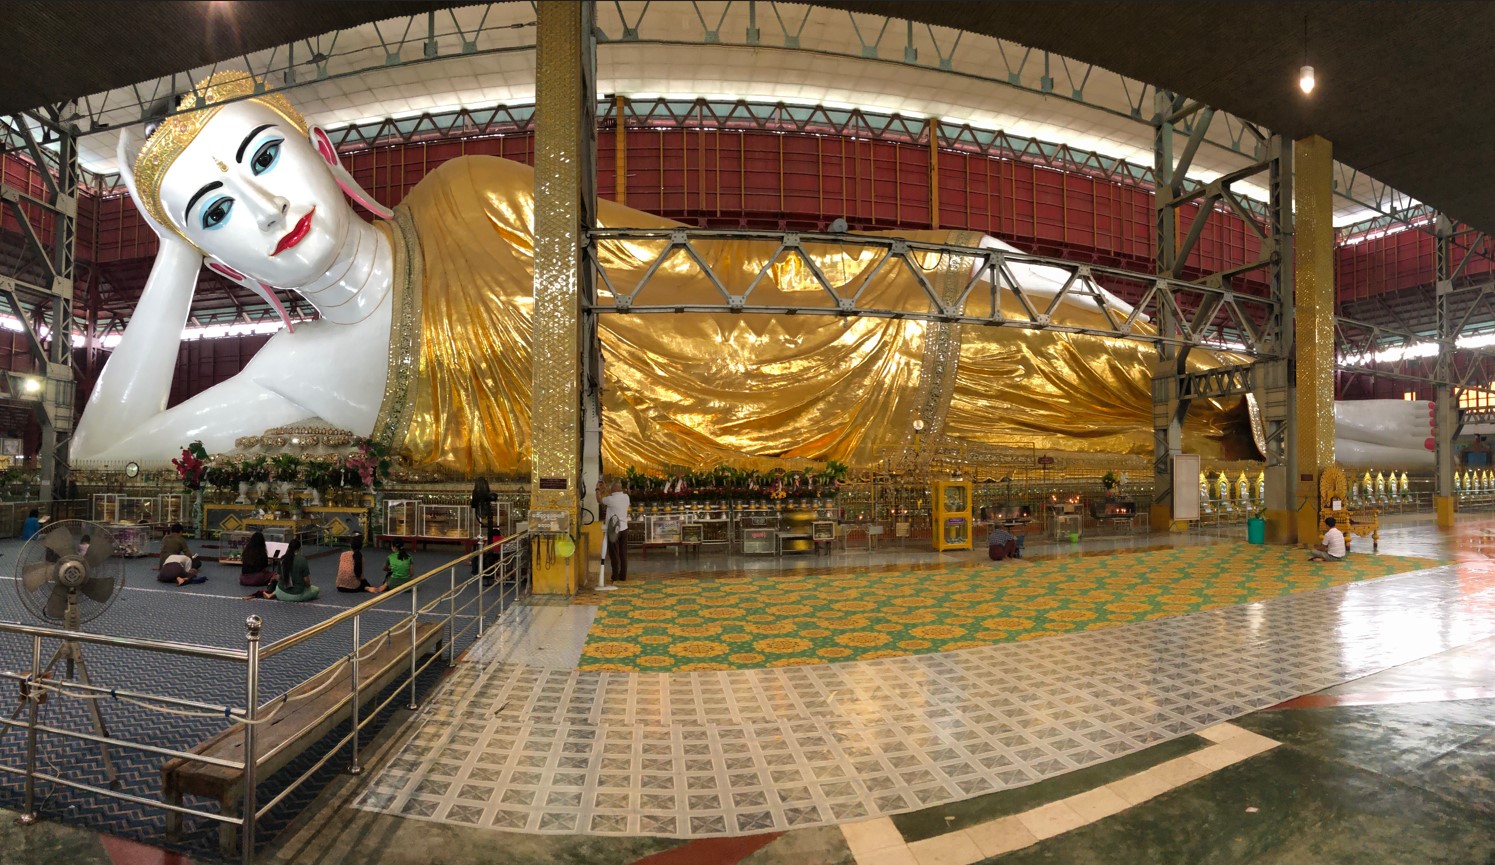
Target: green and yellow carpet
column 735, row 622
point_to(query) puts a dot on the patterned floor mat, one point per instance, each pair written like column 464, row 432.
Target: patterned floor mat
column 740, row 622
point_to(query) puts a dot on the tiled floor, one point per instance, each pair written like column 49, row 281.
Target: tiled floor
column 702, row 754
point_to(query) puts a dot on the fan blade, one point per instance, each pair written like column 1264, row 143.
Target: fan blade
column 99, row 588
column 61, row 542
column 36, row 575
column 57, row 603
column 98, row 551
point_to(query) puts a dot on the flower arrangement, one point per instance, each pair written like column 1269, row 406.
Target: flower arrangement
column 285, row 468
column 724, row 482
column 369, row 461
column 192, row 467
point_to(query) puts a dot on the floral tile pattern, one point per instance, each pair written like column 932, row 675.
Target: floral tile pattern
column 692, row 754
column 739, row 622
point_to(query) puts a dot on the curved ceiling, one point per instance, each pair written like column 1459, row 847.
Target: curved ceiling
column 1406, row 91
column 1404, row 94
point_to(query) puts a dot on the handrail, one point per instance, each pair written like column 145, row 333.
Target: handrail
column 164, row 646
column 305, row 634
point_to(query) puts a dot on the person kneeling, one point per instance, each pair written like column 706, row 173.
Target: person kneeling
column 182, row 570
column 1333, row 548
column 1002, row 544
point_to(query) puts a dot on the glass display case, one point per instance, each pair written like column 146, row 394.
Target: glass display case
column 173, row 508
column 715, row 524
column 446, row 521
column 400, row 518
column 663, row 528
column 138, row 510
column 106, row 508
column 131, row 541
column 231, row 546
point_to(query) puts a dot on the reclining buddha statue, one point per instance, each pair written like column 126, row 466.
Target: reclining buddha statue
column 422, row 337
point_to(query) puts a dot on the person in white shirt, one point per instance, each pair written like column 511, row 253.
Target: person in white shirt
column 615, row 523
column 181, row 569
column 1332, row 549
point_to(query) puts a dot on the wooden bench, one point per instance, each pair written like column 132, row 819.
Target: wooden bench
column 295, row 728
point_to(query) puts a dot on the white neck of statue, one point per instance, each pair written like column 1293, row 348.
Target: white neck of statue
column 359, row 279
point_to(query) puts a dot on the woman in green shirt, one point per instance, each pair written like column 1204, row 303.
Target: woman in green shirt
column 295, row 581
column 397, row 566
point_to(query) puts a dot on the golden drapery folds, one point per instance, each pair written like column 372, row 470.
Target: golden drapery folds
column 699, row 389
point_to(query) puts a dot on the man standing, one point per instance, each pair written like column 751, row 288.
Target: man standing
column 615, row 524
column 1332, row 549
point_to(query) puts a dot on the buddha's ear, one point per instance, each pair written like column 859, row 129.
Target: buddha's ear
column 130, row 144
column 323, row 145
column 265, row 292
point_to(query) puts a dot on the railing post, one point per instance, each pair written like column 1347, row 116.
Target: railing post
column 354, row 768
column 451, row 616
column 252, row 627
column 414, row 618
column 482, row 581
column 28, row 813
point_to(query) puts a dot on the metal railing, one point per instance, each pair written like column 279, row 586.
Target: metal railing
column 503, row 569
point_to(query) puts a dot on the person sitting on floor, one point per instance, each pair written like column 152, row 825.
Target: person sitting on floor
column 32, row 525
column 295, row 578
column 397, row 566
column 350, row 568
column 254, row 562
column 83, row 544
column 1002, row 544
column 182, row 570
column 173, row 544
column 1333, row 548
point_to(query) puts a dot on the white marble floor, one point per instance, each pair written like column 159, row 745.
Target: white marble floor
column 511, row 745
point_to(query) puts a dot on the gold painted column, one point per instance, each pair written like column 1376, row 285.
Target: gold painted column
column 620, row 149
column 565, row 204
column 1313, row 206
column 934, row 172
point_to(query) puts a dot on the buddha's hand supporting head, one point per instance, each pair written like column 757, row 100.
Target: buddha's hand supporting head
column 246, row 181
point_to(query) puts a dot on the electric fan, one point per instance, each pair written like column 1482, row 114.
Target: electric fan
column 61, row 584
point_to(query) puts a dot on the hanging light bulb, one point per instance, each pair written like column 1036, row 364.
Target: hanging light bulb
column 1305, row 74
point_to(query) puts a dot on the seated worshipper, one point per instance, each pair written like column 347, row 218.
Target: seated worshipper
column 295, row 578
column 32, row 525
column 83, row 545
column 397, row 566
column 173, row 544
column 254, row 562
column 1333, row 548
column 182, row 570
column 1001, row 544
column 350, row 568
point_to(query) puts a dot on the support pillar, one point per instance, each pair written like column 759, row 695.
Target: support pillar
column 1446, row 406
column 933, row 127
column 1313, row 287
column 620, row 149
column 1275, row 394
column 1167, row 409
column 563, row 338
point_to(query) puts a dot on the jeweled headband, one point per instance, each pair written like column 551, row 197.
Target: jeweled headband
column 179, row 130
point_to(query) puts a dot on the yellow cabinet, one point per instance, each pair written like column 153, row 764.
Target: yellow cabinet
column 952, row 515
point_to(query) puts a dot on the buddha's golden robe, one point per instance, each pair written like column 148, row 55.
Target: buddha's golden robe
column 699, row 389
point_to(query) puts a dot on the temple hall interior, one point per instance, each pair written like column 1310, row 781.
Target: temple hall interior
column 736, row 432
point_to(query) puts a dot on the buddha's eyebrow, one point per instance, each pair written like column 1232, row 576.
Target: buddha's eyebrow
column 186, row 213
column 239, row 157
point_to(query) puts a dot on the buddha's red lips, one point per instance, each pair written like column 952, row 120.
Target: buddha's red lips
column 296, row 235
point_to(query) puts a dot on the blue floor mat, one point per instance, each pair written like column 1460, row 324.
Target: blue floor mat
column 212, row 614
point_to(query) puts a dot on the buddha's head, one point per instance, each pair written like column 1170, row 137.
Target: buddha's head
column 247, row 182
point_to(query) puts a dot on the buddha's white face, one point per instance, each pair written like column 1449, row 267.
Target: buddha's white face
column 251, row 192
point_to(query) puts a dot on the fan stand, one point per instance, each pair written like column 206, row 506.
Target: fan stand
column 71, row 651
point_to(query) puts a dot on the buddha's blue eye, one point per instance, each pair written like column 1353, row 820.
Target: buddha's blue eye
column 266, row 157
column 216, row 214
